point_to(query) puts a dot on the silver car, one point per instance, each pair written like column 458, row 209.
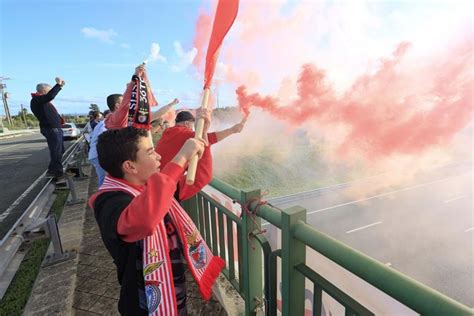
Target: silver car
column 70, row 130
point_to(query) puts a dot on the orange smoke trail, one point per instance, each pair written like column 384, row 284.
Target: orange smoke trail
column 401, row 108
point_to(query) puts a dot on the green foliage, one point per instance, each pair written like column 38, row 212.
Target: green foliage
column 279, row 173
column 18, row 122
column 20, row 288
column 94, row 107
column 79, row 120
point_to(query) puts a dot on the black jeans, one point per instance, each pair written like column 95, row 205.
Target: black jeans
column 54, row 137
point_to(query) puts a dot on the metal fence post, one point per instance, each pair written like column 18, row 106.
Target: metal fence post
column 190, row 206
column 73, row 198
column 79, row 159
column 252, row 264
column 293, row 253
column 53, row 232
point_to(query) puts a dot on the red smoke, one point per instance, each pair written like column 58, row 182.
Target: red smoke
column 401, row 108
column 201, row 38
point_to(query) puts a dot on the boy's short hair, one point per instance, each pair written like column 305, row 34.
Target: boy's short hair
column 184, row 116
column 112, row 100
column 116, row 146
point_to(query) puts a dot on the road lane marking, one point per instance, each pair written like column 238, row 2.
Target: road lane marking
column 363, row 227
column 388, row 193
column 455, row 198
column 469, row 229
column 388, row 264
column 10, row 146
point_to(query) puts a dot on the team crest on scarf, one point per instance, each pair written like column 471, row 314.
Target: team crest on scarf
column 153, row 295
column 197, row 252
column 152, row 267
column 139, row 108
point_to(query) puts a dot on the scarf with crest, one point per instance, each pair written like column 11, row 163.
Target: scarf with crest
column 157, row 270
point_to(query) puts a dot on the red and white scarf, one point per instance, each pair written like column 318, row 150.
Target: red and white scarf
column 157, row 271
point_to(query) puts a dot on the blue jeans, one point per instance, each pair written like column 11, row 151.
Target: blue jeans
column 98, row 169
column 54, row 137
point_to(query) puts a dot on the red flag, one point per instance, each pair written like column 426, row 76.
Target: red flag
column 225, row 15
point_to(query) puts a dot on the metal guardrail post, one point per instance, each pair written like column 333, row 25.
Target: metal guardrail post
column 251, row 257
column 49, row 229
column 84, row 155
column 53, row 232
column 79, row 166
column 72, row 188
column 293, row 253
column 79, row 161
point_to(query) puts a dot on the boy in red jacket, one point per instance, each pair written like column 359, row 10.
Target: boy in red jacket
column 144, row 228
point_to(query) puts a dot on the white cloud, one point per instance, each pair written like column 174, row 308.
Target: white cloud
column 185, row 58
column 155, row 54
column 102, row 35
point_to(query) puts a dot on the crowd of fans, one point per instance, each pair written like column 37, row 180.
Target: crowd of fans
column 141, row 183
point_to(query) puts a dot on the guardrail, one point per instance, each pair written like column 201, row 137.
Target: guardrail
column 250, row 261
column 32, row 220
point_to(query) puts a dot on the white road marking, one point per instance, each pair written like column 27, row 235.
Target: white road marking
column 388, row 264
column 385, row 194
column 363, row 227
column 10, row 146
column 469, row 229
column 455, row 198
column 14, row 157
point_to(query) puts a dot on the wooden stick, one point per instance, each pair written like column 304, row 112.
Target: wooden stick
column 199, row 129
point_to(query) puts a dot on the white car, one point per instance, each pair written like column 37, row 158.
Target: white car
column 70, row 130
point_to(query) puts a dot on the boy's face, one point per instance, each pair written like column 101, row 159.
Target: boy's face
column 117, row 104
column 148, row 161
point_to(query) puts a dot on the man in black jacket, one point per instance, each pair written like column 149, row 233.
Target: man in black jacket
column 50, row 124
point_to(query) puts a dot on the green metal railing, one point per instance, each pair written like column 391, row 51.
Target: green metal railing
column 254, row 275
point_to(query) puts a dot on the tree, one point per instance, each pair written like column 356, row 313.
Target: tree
column 23, row 112
column 94, row 107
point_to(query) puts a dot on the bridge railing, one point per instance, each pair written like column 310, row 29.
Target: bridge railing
column 233, row 230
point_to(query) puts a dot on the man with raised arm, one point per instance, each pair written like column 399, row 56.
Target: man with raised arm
column 50, row 124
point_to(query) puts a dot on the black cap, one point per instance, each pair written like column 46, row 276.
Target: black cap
column 184, row 116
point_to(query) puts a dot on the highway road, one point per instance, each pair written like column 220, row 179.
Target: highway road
column 22, row 160
column 423, row 228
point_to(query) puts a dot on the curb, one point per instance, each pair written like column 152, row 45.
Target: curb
column 13, row 135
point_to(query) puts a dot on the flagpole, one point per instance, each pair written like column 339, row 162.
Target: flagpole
column 199, row 129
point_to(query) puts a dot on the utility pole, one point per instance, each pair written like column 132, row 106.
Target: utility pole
column 4, row 99
column 23, row 114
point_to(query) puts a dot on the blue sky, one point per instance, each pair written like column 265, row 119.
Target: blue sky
column 94, row 46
